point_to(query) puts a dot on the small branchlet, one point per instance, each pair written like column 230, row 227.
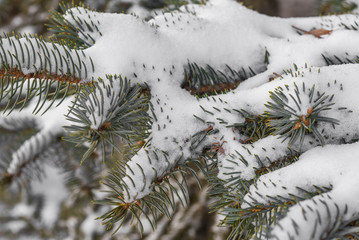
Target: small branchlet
column 75, row 32
column 98, row 123
column 204, row 81
column 254, row 127
column 167, row 191
column 296, row 114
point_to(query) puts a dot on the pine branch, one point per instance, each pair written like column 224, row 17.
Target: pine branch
column 245, row 160
column 28, row 154
column 289, row 119
column 254, row 127
column 335, row 60
column 207, row 81
column 56, row 66
column 167, row 191
column 330, row 220
column 99, row 122
column 75, row 27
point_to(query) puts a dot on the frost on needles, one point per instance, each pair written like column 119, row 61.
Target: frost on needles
column 265, row 108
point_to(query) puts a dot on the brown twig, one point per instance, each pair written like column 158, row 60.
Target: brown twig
column 40, row 75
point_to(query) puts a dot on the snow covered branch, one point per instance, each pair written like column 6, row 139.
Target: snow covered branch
column 259, row 96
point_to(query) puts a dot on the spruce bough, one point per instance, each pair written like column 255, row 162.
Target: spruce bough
column 266, row 113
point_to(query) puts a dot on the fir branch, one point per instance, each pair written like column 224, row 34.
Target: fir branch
column 98, row 122
column 207, row 81
column 288, row 119
column 254, row 127
column 168, row 190
column 30, row 151
column 336, row 60
column 74, row 26
column 256, row 219
column 32, row 67
column 324, row 218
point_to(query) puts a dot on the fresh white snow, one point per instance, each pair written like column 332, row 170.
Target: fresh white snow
column 224, row 32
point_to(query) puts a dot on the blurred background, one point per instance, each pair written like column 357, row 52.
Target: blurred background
column 31, row 15
column 59, row 207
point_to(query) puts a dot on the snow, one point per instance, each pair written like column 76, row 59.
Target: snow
column 89, row 226
column 22, row 210
column 232, row 166
column 23, row 53
column 331, row 165
column 54, row 191
column 139, row 11
column 223, row 32
column 15, row 226
column 49, row 128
